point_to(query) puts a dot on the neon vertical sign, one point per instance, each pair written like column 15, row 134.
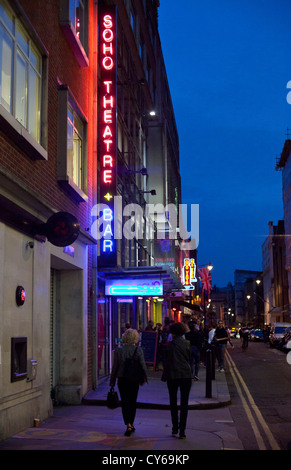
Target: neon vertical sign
column 189, row 273
column 107, row 131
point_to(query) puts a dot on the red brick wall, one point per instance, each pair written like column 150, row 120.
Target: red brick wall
column 41, row 176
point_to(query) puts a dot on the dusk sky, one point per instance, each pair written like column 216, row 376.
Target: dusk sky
column 228, row 64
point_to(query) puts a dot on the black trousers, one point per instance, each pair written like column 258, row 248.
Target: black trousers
column 173, row 386
column 128, row 394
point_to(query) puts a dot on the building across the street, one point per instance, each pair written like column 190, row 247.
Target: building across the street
column 244, row 308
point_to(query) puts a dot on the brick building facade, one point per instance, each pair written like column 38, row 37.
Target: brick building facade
column 59, row 327
column 48, row 115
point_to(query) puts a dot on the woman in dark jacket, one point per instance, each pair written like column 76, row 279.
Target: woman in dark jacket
column 177, row 373
column 128, row 389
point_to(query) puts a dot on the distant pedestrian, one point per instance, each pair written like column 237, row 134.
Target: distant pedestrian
column 196, row 341
column 150, row 326
column 128, row 389
column 177, row 374
column 221, row 338
column 159, row 359
column 158, row 328
column 266, row 333
column 244, row 333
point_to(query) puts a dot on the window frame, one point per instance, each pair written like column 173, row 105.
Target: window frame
column 18, row 358
column 80, row 49
column 65, row 98
column 9, row 124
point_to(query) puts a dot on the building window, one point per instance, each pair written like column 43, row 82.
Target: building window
column 18, row 358
column 77, row 18
column 74, row 22
column 72, row 146
column 21, row 75
column 75, row 147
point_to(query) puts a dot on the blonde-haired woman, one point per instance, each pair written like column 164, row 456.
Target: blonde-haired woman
column 128, row 388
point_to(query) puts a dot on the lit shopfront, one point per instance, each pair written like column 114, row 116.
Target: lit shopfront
column 131, row 297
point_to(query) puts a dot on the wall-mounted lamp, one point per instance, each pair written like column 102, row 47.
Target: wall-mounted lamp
column 29, row 244
column 20, row 295
column 151, row 191
column 142, row 171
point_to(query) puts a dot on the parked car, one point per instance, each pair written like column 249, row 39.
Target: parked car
column 257, row 335
column 277, row 333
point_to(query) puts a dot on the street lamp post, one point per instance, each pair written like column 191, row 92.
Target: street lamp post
column 206, row 286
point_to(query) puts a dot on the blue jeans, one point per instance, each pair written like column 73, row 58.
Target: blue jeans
column 245, row 341
column 128, row 394
column 185, row 386
column 220, row 355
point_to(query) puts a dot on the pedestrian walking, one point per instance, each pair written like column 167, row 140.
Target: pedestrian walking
column 177, row 374
column 150, row 326
column 130, row 371
column 221, row 338
column 159, row 359
column 195, row 337
column 244, row 333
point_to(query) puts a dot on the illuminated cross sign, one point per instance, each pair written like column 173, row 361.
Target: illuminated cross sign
column 107, row 133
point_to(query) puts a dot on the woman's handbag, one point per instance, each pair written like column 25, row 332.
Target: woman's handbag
column 112, row 399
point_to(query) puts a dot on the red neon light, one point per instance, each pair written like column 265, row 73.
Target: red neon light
column 107, row 132
column 107, row 101
column 108, row 63
column 107, row 49
column 107, row 21
column 108, row 36
column 107, row 142
column 107, row 129
column 107, row 176
column 107, row 83
column 107, row 160
column 107, row 116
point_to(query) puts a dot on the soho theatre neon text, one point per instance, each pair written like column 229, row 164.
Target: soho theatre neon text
column 107, row 129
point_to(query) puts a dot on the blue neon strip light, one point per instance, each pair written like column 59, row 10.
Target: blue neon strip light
column 135, row 290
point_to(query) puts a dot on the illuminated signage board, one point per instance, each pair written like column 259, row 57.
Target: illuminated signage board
column 189, row 273
column 107, row 132
column 134, row 287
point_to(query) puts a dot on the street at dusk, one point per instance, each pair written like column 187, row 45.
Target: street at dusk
column 145, row 220
column 255, row 415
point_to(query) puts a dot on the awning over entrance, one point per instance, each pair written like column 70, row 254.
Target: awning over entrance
column 184, row 303
column 162, row 273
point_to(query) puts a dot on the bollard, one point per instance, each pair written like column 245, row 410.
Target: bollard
column 213, row 361
column 208, row 374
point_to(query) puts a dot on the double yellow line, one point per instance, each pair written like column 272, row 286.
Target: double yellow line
column 251, row 408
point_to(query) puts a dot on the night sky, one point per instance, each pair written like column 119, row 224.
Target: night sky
column 228, row 64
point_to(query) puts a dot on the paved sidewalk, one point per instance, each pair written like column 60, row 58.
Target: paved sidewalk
column 92, row 426
column 155, row 394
